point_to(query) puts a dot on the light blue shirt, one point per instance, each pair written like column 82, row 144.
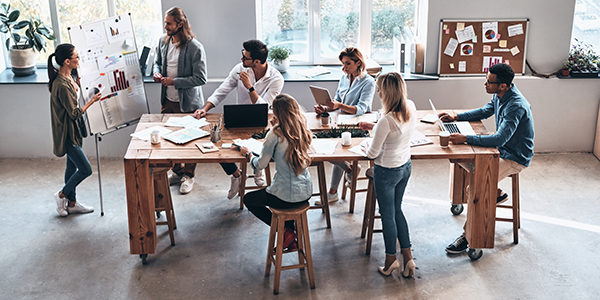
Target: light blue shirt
column 285, row 185
column 360, row 94
column 514, row 126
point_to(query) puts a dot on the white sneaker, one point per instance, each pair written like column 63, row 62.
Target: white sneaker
column 187, row 183
column 260, row 178
column 235, row 187
column 61, row 205
column 174, row 178
column 80, row 209
column 330, row 198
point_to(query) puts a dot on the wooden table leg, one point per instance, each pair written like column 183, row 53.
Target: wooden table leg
column 458, row 184
column 481, row 213
column 323, row 192
column 242, row 192
column 140, row 206
column 353, row 185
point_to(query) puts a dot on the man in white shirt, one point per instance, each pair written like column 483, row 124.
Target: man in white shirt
column 180, row 66
column 255, row 81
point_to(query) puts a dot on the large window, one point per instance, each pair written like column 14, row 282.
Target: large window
column 317, row 30
column 146, row 16
column 586, row 23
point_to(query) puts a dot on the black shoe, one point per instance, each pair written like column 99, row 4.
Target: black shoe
column 502, row 198
column 458, row 246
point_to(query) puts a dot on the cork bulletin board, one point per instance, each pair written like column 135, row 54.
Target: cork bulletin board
column 470, row 47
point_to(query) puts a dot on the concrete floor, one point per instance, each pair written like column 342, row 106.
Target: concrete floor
column 220, row 251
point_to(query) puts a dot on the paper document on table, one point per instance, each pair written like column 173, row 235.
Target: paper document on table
column 312, row 72
column 185, row 135
column 253, row 145
column 418, row 139
column 187, row 121
column 145, row 134
column 324, row 146
column 344, row 119
column 358, row 149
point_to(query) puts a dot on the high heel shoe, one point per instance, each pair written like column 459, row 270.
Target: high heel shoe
column 395, row 265
column 409, row 269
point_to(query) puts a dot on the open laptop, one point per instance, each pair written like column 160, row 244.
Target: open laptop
column 462, row 127
column 321, row 94
column 246, row 115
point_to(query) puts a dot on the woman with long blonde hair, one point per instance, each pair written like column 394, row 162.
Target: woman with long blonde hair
column 287, row 144
column 391, row 150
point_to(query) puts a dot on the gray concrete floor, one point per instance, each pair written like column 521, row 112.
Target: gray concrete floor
column 221, row 250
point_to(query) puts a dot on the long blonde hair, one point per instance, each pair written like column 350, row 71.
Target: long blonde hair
column 185, row 34
column 393, row 95
column 293, row 127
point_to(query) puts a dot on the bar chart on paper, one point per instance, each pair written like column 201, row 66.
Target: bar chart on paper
column 118, row 81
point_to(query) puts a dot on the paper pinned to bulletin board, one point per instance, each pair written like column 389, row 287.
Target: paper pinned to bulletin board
column 109, row 63
column 475, row 45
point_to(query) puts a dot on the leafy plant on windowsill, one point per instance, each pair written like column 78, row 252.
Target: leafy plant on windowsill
column 582, row 59
column 35, row 35
column 277, row 54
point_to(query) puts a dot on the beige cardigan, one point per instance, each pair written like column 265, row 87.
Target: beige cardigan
column 64, row 112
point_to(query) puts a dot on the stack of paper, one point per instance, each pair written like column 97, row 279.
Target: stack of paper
column 312, row 72
column 324, row 146
column 145, row 134
column 344, row 119
column 187, row 121
column 185, row 135
column 252, row 144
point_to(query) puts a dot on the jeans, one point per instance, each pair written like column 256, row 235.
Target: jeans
column 389, row 187
column 257, row 203
column 78, row 169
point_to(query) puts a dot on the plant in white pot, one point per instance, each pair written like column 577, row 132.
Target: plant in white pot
column 280, row 57
column 22, row 47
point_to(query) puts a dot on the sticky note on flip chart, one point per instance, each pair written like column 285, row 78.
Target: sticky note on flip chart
column 462, row 66
column 460, row 26
column 452, row 66
column 514, row 50
column 502, row 43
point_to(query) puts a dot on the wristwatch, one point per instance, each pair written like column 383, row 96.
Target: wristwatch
column 251, row 89
column 248, row 154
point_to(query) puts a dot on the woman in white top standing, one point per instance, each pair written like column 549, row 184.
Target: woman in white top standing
column 391, row 150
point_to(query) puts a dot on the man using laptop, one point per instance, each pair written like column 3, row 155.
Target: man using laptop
column 255, row 81
column 514, row 131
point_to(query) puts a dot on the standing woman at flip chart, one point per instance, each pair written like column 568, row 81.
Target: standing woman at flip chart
column 64, row 95
column 391, row 150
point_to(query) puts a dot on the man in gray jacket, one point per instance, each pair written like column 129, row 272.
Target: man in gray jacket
column 180, row 66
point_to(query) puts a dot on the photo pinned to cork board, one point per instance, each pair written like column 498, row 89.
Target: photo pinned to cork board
column 470, row 47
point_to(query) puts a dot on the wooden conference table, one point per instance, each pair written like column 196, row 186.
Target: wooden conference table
column 142, row 158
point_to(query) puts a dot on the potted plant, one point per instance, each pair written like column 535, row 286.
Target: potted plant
column 566, row 69
column 280, row 57
column 22, row 47
column 583, row 60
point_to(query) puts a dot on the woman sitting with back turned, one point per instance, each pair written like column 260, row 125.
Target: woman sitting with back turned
column 287, row 143
column 391, row 150
column 67, row 139
column 354, row 96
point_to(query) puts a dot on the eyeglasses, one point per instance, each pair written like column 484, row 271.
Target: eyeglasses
column 244, row 57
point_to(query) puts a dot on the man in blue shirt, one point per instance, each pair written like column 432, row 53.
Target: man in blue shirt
column 514, row 131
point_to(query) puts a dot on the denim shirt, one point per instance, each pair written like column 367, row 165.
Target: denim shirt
column 360, row 94
column 514, row 126
column 285, row 184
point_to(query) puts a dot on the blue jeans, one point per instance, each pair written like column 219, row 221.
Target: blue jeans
column 389, row 187
column 78, row 169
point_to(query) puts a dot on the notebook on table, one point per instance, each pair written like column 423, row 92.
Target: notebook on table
column 246, row 115
column 462, row 127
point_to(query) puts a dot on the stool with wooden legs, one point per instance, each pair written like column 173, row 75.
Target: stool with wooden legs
column 353, row 185
column 163, row 201
column 516, row 211
column 245, row 176
column 324, row 206
column 369, row 214
column 275, row 252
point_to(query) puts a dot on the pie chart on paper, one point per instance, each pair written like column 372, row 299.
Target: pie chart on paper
column 467, row 49
column 490, row 34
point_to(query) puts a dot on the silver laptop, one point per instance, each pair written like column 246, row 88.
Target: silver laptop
column 321, row 94
column 462, row 127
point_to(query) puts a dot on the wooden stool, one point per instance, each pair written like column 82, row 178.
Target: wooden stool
column 369, row 215
column 515, row 206
column 353, row 185
column 163, row 200
column 324, row 206
column 245, row 176
column 304, row 255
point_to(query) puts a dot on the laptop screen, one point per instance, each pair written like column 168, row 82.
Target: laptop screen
column 246, row 115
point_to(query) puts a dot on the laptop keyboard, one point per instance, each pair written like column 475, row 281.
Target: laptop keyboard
column 452, row 128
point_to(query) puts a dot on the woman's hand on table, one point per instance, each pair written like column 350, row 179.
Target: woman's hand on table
column 366, row 125
column 245, row 152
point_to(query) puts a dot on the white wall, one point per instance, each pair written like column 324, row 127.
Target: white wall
column 564, row 110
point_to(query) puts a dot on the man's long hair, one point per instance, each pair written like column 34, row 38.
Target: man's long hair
column 185, row 33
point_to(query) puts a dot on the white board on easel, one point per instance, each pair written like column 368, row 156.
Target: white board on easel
column 109, row 63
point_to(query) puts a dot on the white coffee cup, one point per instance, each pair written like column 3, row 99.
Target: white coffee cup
column 444, row 138
column 155, row 137
column 346, row 139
